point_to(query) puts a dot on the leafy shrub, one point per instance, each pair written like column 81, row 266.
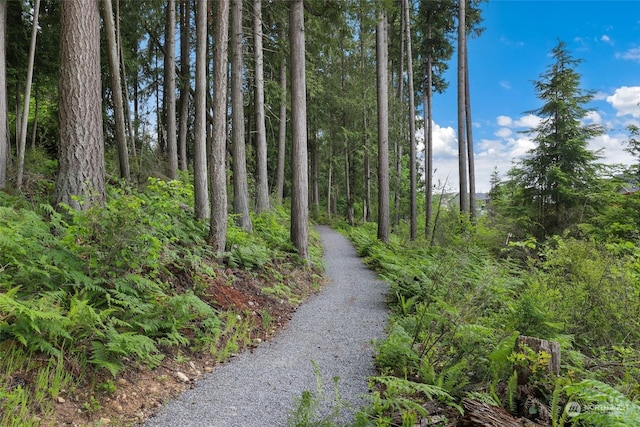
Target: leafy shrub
column 592, row 292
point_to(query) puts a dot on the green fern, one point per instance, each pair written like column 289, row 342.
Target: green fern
column 401, row 388
column 512, row 391
column 602, row 405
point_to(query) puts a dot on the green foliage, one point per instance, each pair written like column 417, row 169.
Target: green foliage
column 396, row 354
column 400, row 396
column 458, row 310
column 88, row 286
column 316, row 408
column 602, row 405
column 592, row 292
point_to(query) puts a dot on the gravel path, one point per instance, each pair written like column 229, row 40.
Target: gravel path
column 334, row 330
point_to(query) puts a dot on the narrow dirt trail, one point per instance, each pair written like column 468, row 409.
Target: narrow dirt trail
column 333, row 330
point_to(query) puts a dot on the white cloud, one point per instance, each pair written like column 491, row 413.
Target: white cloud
column 445, row 141
column 613, row 148
column 625, row 100
column 504, row 121
column 600, row 96
column 593, row 117
column 529, row 121
column 630, row 55
column 505, row 84
column 605, row 38
column 503, row 133
column 505, row 149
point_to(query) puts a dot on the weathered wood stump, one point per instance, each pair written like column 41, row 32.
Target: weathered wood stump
column 480, row 414
column 538, row 345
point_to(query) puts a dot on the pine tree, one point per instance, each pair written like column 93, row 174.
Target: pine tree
column 556, row 174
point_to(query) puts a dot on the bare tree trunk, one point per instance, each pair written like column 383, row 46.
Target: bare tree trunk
column 240, row 186
column 383, row 126
column 282, row 133
column 262, row 184
column 397, row 140
column 299, row 175
column 428, row 159
column 366, row 207
column 428, row 140
column 347, row 180
column 462, row 146
column 18, row 110
column 217, row 160
column 116, row 90
column 470, row 155
column 4, row 125
column 412, row 130
column 36, row 110
column 315, row 168
column 170, row 90
column 330, row 177
column 22, row 143
column 184, row 83
column 201, row 191
column 131, row 136
column 81, row 159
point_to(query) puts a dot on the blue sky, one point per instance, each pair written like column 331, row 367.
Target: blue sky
column 514, row 51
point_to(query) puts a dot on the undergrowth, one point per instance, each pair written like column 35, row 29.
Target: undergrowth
column 457, row 308
column 88, row 292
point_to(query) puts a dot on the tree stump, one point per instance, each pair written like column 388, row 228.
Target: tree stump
column 480, row 414
column 537, row 345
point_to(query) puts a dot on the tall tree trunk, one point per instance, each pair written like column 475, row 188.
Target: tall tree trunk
column 299, row 175
column 428, row 138
column 217, row 159
column 282, row 133
column 412, row 129
column 4, row 125
column 116, row 90
column 131, row 135
column 18, row 110
column 81, row 159
column 201, row 191
column 470, row 155
column 366, row 207
column 22, row 143
column 397, row 144
column 397, row 140
column 347, row 180
column 330, row 177
column 383, row 126
column 240, row 186
column 185, row 77
column 170, row 90
column 262, row 184
column 315, row 174
column 462, row 146
column 36, row 110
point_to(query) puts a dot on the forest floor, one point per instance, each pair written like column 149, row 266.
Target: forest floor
column 138, row 392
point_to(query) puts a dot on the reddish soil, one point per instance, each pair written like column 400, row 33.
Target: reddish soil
column 138, row 392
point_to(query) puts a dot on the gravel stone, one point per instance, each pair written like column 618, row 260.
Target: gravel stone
column 333, row 330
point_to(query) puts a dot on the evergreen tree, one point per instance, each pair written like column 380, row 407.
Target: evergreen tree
column 556, row 174
column 81, row 158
